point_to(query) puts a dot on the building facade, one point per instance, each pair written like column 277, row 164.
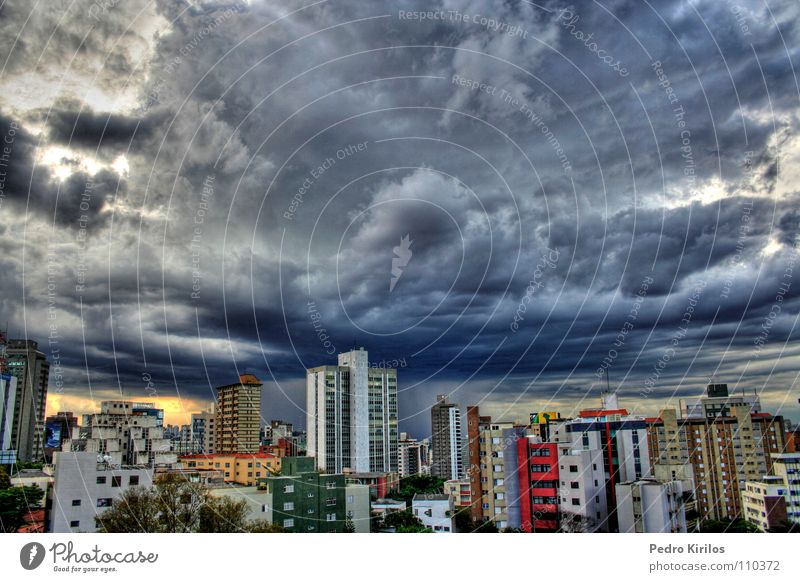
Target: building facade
column 608, row 446
column 305, row 501
column 648, row 506
column 436, row 512
column 241, row 468
column 351, row 417
column 446, row 439
column 723, row 451
column 538, row 477
column 764, row 502
column 238, row 416
column 125, row 433
column 476, row 424
column 84, row 487
column 410, row 459
column 204, row 431
column 8, row 398
column 32, row 371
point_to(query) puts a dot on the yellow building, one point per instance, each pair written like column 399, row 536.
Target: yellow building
column 242, row 468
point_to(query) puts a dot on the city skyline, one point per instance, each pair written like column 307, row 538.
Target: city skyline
column 521, row 203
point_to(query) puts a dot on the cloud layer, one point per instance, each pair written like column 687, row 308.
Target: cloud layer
column 196, row 189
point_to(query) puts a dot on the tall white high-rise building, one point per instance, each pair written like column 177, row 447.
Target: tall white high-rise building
column 351, row 415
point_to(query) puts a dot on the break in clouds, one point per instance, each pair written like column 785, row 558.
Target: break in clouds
column 508, row 199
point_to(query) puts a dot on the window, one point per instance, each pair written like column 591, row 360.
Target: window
column 101, row 480
column 76, row 503
column 349, row 499
column 575, row 502
column 330, row 501
column 288, row 488
column 331, row 485
column 288, row 506
column 75, row 523
column 116, row 481
column 288, row 523
column 105, row 502
column 133, row 480
column 331, row 517
column 573, row 468
column 574, row 485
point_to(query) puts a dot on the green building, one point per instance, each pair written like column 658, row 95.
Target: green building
column 302, row 500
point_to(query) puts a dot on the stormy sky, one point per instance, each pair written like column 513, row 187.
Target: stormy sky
column 505, row 198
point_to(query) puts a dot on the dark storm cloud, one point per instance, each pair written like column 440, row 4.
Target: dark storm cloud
column 90, row 129
column 246, row 209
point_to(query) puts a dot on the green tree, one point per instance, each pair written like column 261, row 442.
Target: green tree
column 727, row 526
column 174, row 505
column 223, row 515
column 16, row 503
column 5, row 480
column 263, row 526
column 410, row 486
column 135, row 511
column 404, row 522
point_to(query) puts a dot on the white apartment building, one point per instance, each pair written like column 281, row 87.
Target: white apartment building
column 84, row 486
column 351, row 415
column 647, row 506
column 582, row 491
column 597, row 451
column 410, row 456
column 435, row 512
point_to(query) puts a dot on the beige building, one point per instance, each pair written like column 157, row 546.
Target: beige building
column 724, row 452
column 204, row 431
column 242, row 468
column 460, row 491
column 774, row 500
column 238, row 416
column 498, row 446
column 763, row 503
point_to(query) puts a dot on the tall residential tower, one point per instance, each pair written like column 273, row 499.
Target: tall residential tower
column 446, row 439
column 352, row 415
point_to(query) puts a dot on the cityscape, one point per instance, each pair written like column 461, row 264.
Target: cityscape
column 717, row 463
column 300, row 267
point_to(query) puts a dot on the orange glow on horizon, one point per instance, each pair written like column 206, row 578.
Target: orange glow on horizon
column 177, row 410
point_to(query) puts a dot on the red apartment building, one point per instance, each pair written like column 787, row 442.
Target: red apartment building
column 538, row 485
